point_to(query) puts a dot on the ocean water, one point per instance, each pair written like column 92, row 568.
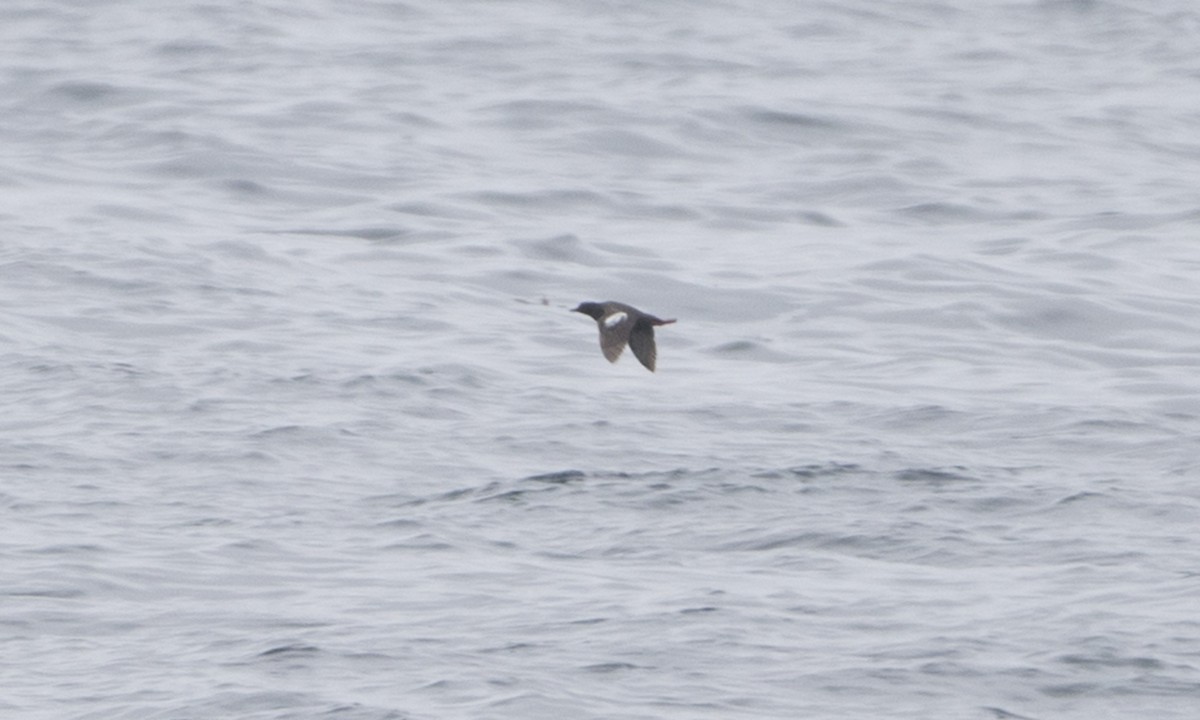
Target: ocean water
column 297, row 422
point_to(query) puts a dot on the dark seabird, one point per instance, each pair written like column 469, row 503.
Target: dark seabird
column 621, row 324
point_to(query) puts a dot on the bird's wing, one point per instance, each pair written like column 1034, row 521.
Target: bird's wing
column 641, row 340
column 614, row 333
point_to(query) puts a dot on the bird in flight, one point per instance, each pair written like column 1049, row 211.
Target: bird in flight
column 622, row 324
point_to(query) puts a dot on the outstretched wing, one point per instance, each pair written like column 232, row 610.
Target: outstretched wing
column 641, row 341
column 614, row 333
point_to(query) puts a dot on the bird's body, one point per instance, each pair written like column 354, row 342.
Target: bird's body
column 622, row 325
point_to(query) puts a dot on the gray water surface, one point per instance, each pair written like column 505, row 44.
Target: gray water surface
column 297, row 422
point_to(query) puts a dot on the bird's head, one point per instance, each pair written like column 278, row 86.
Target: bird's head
column 591, row 309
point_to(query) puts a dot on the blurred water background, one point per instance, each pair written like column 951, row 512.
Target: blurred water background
column 297, row 423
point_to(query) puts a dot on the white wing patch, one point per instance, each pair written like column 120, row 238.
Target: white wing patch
column 615, row 319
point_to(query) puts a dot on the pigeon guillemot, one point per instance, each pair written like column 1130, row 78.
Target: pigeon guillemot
column 620, row 324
